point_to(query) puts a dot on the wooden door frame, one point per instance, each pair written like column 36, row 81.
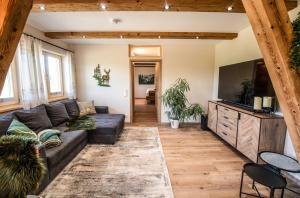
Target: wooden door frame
column 159, row 91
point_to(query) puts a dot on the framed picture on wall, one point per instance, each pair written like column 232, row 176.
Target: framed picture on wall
column 146, row 79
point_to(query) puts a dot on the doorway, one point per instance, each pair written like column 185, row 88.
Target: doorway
column 146, row 91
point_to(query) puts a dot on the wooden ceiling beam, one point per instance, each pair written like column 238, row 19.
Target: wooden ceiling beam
column 273, row 30
column 141, row 35
column 146, row 5
column 13, row 16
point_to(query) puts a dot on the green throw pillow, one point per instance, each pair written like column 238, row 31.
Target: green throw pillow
column 19, row 129
column 50, row 137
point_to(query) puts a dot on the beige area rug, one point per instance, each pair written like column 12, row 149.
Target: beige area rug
column 133, row 167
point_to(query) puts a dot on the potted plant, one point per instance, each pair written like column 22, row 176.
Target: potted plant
column 179, row 108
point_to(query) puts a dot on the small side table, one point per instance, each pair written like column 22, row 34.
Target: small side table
column 260, row 174
column 279, row 162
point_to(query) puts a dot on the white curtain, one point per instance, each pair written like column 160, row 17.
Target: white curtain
column 33, row 87
column 69, row 76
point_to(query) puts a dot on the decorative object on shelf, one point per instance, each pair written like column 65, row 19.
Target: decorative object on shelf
column 146, row 79
column 103, row 80
column 178, row 106
column 267, row 104
column 295, row 48
column 257, row 106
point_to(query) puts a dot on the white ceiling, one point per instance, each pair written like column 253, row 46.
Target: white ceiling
column 138, row 21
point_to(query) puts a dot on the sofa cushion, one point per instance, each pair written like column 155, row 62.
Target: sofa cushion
column 87, row 108
column 36, row 118
column 5, row 121
column 57, row 113
column 72, row 108
column 70, row 142
column 19, row 129
column 117, row 117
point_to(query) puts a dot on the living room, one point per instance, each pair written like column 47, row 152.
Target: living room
column 76, row 71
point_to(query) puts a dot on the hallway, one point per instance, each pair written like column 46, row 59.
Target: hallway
column 144, row 113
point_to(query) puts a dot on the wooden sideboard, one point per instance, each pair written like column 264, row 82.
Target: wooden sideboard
column 246, row 131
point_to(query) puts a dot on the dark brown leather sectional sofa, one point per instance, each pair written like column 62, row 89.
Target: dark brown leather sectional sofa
column 108, row 129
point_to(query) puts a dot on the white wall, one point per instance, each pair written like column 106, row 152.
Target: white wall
column 113, row 57
column 191, row 60
column 37, row 33
column 140, row 90
column 195, row 62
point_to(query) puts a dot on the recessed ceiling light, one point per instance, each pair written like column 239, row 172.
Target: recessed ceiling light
column 167, row 6
column 121, row 36
column 42, row 7
column 103, row 6
column 83, row 37
column 158, row 37
column 229, row 8
column 197, row 37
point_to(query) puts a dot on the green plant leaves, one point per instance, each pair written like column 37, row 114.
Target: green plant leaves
column 175, row 100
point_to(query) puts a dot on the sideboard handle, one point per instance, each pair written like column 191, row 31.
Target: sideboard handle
column 225, row 125
column 224, row 133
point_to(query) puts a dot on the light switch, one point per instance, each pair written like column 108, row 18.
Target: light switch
column 125, row 93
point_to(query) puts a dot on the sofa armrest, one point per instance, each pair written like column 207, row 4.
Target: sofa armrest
column 41, row 151
column 101, row 109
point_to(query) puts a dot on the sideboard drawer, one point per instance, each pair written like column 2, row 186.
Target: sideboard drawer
column 225, row 119
column 228, row 133
column 232, row 114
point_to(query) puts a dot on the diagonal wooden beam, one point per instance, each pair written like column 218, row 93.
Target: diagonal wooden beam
column 273, row 30
column 141, row 35
column 13, row 16
column 145, row 5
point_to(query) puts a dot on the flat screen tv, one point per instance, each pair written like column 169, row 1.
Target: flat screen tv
column 240, row 83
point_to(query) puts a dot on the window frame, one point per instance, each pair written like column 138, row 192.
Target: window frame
column 53, row 96
column 15, row 100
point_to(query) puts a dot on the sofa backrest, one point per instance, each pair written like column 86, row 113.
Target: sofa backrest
column 6, row 119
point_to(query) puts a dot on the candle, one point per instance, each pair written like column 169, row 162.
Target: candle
column 267, row 102
column 257, row 103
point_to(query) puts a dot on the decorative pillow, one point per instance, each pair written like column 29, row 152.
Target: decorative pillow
column 57, row 113
column 19, row 129
column 5, row 121
column 50, row 138
column 36, row 118
column 87, row 108
column 72, row 109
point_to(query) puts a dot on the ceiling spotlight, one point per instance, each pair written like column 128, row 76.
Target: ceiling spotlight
column 121, row 36
column 167, row 6
column 197, row 37
column 83, row 37
column 42, row 7
column 158, row 37
column 229, row 8
column 103, row 6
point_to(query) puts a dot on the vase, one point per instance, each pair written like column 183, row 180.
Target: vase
column 174, row 124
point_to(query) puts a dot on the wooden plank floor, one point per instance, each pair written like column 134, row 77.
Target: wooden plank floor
column 199, row 163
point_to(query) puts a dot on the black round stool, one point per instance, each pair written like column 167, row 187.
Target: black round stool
column 260, row 174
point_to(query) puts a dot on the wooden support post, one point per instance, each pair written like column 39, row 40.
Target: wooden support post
column 13, row 17
column 273, row 30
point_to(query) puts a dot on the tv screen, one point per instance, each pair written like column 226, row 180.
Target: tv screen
column 240, row 83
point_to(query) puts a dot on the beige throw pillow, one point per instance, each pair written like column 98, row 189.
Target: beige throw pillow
column 86, row 108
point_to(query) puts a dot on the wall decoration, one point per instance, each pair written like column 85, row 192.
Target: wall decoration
column 146, row 79
column 103, row 80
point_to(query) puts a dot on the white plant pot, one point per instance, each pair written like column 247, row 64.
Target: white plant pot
column 174, row 124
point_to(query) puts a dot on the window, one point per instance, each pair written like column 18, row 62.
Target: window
column 9, row 94
column 53, row 67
